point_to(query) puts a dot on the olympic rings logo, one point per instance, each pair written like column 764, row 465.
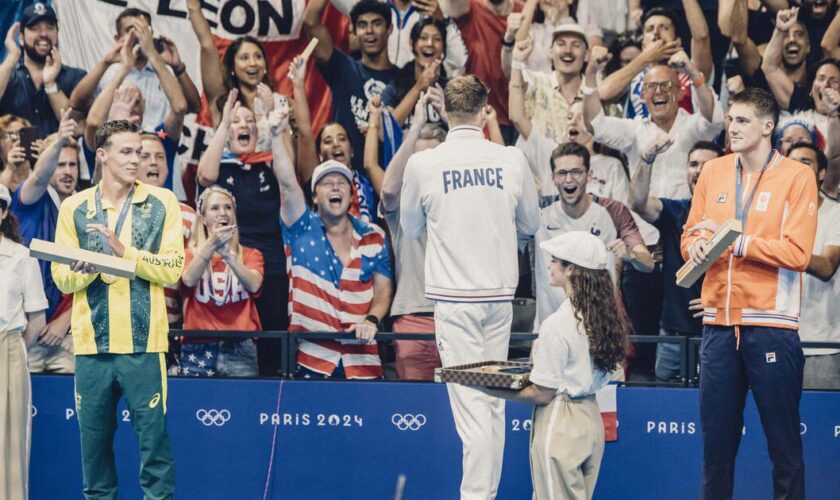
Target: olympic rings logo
column 212, row 417
column 408, row 422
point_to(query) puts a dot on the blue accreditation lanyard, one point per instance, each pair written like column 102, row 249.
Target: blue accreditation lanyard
column 741, row 212
column 102, row 217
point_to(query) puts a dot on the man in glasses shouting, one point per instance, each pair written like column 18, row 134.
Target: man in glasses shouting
column 577, row 210
column 662, row 94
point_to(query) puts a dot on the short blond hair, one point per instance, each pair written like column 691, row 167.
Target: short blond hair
column 147, row 136
column 465, row 96
column 102, row 137
column 7, row 120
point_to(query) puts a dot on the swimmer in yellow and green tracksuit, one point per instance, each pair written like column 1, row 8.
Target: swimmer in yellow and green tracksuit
column 119, row 325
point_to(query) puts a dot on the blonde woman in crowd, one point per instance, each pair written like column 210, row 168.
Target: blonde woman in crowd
column 221, row 279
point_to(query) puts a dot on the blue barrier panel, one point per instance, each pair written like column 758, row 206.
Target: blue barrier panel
column 350, row 440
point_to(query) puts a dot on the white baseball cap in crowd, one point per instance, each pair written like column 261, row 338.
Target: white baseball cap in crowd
column 571, row 29
column 329, row 167
column 581, row 248
column 5, row 195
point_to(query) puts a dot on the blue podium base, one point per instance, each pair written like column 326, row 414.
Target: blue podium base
column 351, row 440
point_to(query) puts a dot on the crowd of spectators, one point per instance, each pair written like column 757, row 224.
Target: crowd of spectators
column 616, row 104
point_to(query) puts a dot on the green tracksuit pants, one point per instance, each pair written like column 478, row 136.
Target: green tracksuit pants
column 141, row 379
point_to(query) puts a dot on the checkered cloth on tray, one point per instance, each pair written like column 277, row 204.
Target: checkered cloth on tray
column 471, row 374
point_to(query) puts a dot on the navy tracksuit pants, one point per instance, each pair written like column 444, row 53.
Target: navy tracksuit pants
column 770, row 362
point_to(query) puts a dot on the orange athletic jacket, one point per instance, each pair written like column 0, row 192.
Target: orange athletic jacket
column 758, row 280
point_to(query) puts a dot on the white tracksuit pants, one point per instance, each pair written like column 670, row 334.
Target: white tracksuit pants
column 469, row 333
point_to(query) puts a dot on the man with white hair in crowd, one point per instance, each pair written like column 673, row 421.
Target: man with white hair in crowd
column 662, row 94
column 660, row 42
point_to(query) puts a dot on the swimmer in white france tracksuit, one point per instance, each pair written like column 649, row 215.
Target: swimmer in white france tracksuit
column 471, row 195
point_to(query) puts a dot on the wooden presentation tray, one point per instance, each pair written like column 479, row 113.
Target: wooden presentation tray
column 108, row 264
column 722, row 239
column 481, row 374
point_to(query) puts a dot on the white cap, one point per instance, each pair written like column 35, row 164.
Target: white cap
column 581, row 248
column 329, row 167
column 572, row 29
column 4, row 195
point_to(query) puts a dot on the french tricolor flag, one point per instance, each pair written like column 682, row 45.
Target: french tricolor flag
column 608, row 403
